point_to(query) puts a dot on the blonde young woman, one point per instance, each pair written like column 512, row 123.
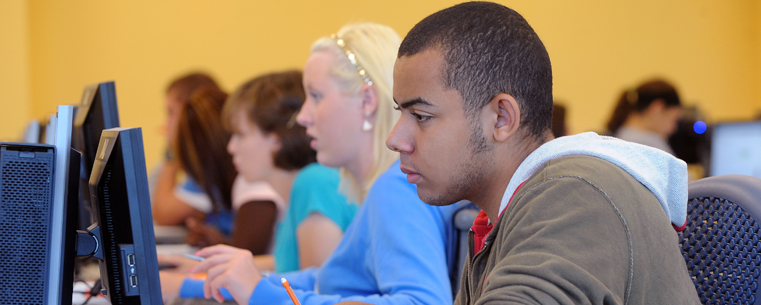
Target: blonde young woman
column 395, row 249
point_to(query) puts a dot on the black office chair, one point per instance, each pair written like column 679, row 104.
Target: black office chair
column 720, row 242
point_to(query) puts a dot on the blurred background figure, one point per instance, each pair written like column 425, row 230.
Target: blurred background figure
column 197, row 185
column 200, row 148
column 169, row 208
column 268, row 145
column 647, row 114
column 348, row 115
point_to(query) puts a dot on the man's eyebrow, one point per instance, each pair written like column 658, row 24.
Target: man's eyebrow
column 413, row 102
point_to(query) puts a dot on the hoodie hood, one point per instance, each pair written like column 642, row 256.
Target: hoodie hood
column 663, row 174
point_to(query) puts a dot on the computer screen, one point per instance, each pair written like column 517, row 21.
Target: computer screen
column 50, row 130
column 691, row 139
column 96, row 112
column 122, row 210
column 65, row 205
column 736, row 149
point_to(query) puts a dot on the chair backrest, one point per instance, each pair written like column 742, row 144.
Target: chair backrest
column 720, row 242
column 463, row 219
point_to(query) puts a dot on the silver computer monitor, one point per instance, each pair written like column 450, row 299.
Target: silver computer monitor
column 62, row 141
column 736, row 149
column 50, row 130
column 31, row 132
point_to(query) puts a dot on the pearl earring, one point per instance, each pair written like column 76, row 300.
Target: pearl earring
column 366, row 126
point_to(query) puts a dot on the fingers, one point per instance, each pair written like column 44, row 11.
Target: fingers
column 231, row 268
column 215, row 280
column 219, row 249
column 211, row 262
column 231, row 277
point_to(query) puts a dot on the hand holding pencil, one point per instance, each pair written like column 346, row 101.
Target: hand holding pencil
column 230, row 268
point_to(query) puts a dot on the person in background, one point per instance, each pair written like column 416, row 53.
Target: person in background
column 201, row 150
column 647, row 114
column 396, row 249
column 173, row 203
column 268, row 145
column 187, row 202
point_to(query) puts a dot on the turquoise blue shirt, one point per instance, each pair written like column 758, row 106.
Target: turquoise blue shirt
column 315, row 190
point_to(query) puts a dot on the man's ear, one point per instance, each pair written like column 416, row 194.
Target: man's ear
column 369, row 101
column 508, row 116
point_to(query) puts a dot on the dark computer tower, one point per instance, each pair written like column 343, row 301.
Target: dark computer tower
column 37, row 223
column 26, row 197
column 31, row 274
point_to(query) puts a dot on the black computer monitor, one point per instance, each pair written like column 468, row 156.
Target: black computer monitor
column 96, row 112
column 122, row 210
column 691, row 139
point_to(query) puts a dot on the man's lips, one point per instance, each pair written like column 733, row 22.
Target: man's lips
column 412, row 176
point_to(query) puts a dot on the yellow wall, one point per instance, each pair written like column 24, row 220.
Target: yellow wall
column 757, row 45
column 711, row 50
column 14, row 69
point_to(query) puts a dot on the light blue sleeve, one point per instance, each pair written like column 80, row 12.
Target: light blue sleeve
column 300, row 280
column 193, row 288
column 407, row 256
column 408, row 245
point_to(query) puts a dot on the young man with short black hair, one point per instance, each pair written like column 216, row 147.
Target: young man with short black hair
column 579, row 219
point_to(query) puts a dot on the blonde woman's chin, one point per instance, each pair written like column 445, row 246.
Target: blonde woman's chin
column 328, row 159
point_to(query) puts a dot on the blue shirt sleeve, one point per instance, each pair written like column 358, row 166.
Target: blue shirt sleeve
column 191, row 185
column 273, row 288
column 193, row 288
column 395, row 252
column 408, row 245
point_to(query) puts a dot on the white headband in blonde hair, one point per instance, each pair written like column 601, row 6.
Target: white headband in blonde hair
column 352, row 58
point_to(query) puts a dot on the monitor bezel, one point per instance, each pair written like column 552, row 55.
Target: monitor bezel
column 63, row 239
column 129, row 143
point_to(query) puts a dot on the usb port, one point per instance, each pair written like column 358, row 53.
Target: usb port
column 133, row 280
column 131, row 259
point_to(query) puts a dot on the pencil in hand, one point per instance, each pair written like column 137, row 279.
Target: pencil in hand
column 290, row 291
